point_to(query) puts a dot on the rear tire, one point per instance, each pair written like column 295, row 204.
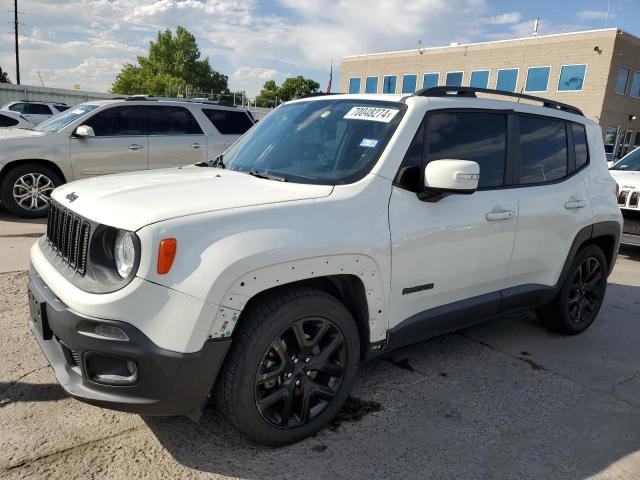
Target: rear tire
column 293, row 361
column 577, row 304
column 26, row 188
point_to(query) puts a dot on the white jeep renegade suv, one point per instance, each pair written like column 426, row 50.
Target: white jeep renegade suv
column 110, row 136
column 339, row 228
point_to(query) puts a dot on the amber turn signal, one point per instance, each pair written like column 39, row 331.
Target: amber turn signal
column 166, row 254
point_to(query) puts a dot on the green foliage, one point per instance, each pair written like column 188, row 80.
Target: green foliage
column 172, row 65
column 271, row 95
column 4, row 77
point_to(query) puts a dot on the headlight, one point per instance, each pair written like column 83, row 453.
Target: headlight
column 124, row 252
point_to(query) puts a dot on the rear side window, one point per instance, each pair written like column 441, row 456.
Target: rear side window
column 228, row 122
column 6, row 121
column 36, row 109
column 543, row 150
column 62, row 108
column 477, row 136
column 171, row 121
column 17, row 107
column 118, row 122
column 580, row 142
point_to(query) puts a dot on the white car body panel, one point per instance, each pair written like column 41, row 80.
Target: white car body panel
column 23, row 122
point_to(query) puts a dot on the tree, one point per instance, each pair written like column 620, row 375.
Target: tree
column 293, row 87
column 172, row 65
column 4, row 77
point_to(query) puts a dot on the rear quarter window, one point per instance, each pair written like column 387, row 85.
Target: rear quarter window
column 6, row 121
column 228, row 122
column 580, row 142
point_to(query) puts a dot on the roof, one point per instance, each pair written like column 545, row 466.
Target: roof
column 161, row 101
column 458, row 45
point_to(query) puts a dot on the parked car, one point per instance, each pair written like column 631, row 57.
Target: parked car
column 35, row 112
column 110, row 136
column 10, row 119
column 339, row 228
column 626, row 172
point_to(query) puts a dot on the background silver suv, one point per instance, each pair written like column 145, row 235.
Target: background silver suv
column 110, row 136
column 36, row 112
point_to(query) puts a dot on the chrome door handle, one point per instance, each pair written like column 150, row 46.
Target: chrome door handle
column 197, row 145
column 575, row 204
column 503, row 215
column 135, row 146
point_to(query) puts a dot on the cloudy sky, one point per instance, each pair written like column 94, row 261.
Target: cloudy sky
column 87, row 41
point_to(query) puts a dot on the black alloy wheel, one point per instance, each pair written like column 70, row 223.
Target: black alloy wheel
column 585, row 291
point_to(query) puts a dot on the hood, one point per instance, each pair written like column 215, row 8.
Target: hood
column 626, row 179
column 13, row 133
column 133, row 200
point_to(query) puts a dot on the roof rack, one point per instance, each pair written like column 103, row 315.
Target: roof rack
column 471, row 92
column 315, row 94
column 139, row 98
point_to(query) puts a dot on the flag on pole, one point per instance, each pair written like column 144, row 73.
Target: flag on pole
column 330, row 78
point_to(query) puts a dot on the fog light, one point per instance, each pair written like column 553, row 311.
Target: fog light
column 110, row 370
column 103, row 331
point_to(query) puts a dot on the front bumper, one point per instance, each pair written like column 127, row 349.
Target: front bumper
column 166, row 383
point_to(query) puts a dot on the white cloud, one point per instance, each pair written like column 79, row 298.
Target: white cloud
column 587, row 15
column 251, row 79
column 503, row 19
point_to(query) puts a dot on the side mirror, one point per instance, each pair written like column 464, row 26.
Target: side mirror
column 84, row 131
column 449, row 177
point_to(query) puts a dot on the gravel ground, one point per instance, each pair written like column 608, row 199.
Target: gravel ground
column 506, row 399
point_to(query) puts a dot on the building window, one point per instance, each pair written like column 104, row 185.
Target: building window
column 371, row 85
column 507, row 80
column 409, row 83
column 635, row 85
column 572, row 78
column 389, row 84
column 454, row 79
column 354, row 85
column 610, row 139
column 537, row 79
column 622, row 80
column 430, row 80
column 479, row 79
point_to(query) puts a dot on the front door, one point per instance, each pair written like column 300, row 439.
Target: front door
column 459, row 247
column 175, row 137
column 119, row 145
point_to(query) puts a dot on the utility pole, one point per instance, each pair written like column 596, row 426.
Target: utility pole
column 15, row 24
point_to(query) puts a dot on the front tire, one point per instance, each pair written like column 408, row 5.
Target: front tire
column 26, row 188
column 580, row 298
column 291, row 366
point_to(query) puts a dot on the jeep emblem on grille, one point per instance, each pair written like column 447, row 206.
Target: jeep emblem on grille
column 71, row 197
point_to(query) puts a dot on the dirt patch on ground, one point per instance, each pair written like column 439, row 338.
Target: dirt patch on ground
column 353, row 410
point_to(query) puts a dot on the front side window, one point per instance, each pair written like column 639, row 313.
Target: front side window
column 635, row 85
column 537, row 79
column 572, row 78
column 57, row 123
column 389, row 84
column 36, row 109
column 228, row 122
column 543, row 149
column 622, row 80
column 580, row 144
column 507, row 80
column 454, row 79
column 479, row 79
column 354, row 85
column 6, row 121
column 477, row 136
column 118, row 122
column 62, row 108
column 372, row 85
column 171, row 120
column 409, row 83
column 430, row 80
column 328, row 142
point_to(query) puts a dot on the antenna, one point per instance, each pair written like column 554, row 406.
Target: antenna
column 40, row 77
column 606, row 19
column 536, row 24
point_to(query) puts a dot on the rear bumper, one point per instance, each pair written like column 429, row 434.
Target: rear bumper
column 166, row 382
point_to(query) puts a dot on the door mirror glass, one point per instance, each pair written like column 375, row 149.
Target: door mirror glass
column 447, row 177
column 85, row 131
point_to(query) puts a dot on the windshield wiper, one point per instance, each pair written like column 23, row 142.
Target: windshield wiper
column 217, row 163
column 265, row 174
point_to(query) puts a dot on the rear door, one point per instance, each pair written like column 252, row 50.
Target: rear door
column 120, row 143
column 229, row 125
column 459, row 247
column 175, row 137
column 553, row 200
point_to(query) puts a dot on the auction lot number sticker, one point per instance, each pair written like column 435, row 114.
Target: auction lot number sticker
column 375, row 114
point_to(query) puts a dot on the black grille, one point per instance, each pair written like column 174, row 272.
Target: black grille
column 68, row 234
column 622, row 197
column 633, row 201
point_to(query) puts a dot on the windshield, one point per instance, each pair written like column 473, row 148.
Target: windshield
column 58, row 122
column 328, row 142
column 630, row 163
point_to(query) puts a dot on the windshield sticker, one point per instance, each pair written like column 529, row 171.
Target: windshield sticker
column 375, row 114
column 325, row 114
column 78, row 112
column 369, row 142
